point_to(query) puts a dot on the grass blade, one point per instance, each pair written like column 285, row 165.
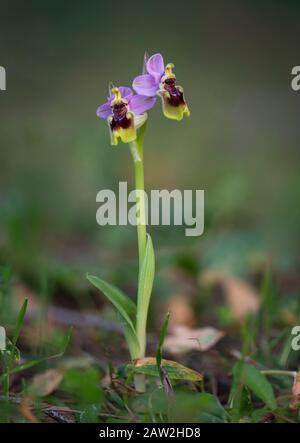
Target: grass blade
column 161, row 340
column 247, row 375
column 163, row 374
column 20, row 321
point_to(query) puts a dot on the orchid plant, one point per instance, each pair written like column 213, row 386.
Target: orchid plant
column 126, row 115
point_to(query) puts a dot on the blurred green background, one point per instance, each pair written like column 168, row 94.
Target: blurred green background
column 241, row 143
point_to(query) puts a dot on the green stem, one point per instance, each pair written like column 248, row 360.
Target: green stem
column 138, row 159
column 137, row 154
column 140, row 383
column 6, row 375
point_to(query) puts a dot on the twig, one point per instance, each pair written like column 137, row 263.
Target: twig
column 58, row 416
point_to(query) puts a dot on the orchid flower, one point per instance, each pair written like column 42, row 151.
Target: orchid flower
column 159, row 79
column 125, row 113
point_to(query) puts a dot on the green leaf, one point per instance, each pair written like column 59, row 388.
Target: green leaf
column 124, row 304
column 197, row 408
column 90, row 414
column 241, row 405
column 125, row 307
column 247, row 375
column 131, row 338
column 163, row 373
column 175, row 370
column 20, row 321
column 88, row 392
column 161, row 339
column 66, row 341
column 146, row 278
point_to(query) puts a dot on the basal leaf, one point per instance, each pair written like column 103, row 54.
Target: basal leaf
column 124, row 304
column 131, row 338
column 146, row 278
column 125, row 307
column 176, row 371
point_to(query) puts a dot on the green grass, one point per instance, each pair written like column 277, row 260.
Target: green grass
column 253, row 383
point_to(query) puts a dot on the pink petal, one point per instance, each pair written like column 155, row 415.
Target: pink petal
column 140, row 104
column 155, row 66
column 104, row 110
column 126, row 92
column 145, row 85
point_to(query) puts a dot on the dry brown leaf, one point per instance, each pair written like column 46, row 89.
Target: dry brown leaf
column 241, row 296
column 295, row 401
column 182, row 312
column 185, row 339
column 26, row 410
column 45, row 383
